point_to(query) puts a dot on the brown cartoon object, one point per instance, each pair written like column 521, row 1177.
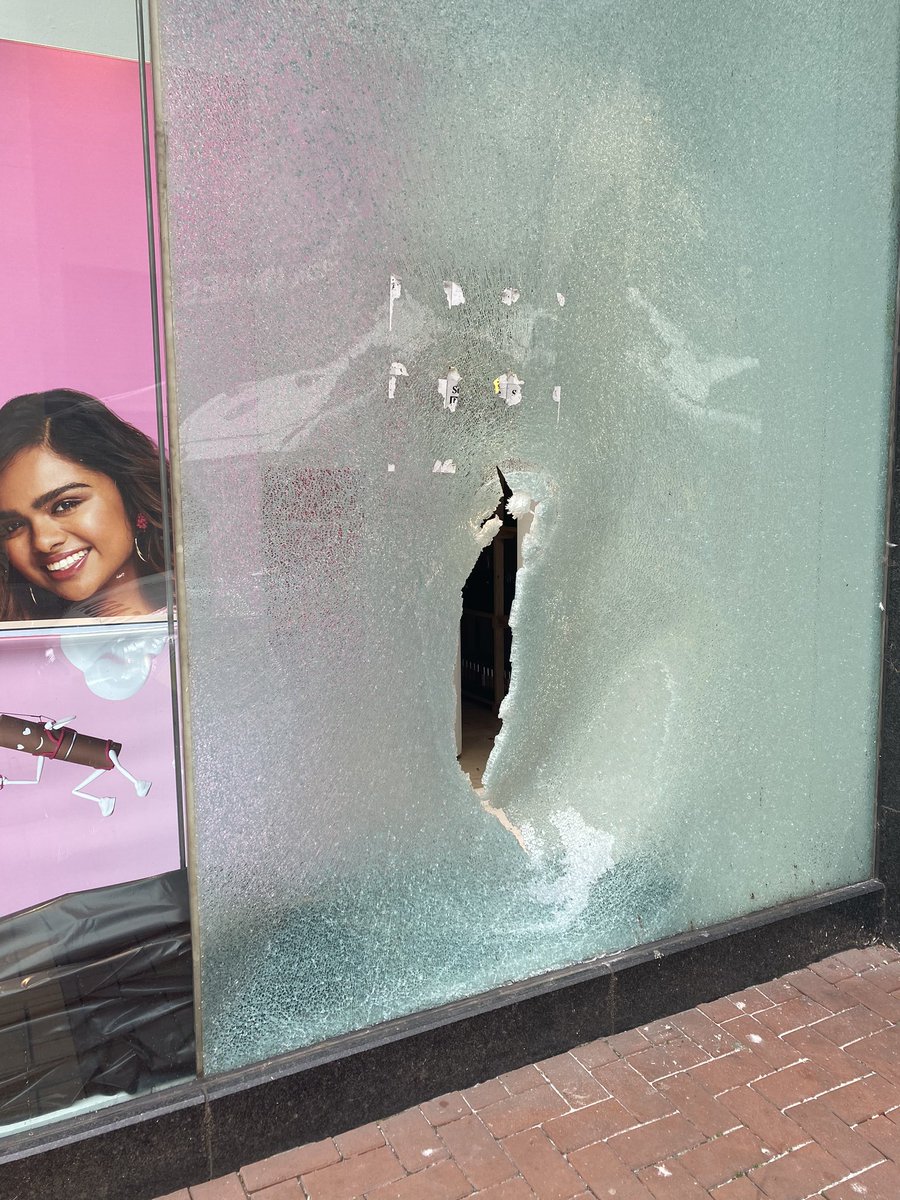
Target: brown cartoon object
column 66, row 744
column 44, row 739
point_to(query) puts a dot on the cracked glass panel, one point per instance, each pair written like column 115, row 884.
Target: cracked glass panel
column 641, row 259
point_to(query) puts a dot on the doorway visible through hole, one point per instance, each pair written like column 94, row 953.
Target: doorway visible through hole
column 485, row 640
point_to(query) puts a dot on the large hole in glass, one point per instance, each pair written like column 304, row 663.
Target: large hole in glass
column 485, row 641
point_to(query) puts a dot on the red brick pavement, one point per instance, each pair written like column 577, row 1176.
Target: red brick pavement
column 786, row 1091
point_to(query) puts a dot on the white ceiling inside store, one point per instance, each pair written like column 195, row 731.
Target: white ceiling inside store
column 97, row 26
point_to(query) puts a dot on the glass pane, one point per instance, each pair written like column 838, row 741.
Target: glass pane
column 641, row 259
column 95, row 954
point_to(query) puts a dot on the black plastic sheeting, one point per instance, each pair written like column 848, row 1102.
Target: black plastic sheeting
column 96, row 996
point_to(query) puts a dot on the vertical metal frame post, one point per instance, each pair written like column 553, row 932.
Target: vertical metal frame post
column 178, row 634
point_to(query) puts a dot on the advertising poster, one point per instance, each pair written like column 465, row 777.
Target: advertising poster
column 88, row 795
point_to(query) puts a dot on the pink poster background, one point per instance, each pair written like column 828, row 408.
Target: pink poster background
column 52, row 842
column 75, row 312
column 75, row 294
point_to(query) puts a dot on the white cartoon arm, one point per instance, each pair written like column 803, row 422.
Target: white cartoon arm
column 58, row 724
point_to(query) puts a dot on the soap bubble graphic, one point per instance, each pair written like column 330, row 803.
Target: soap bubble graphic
column 114, row 667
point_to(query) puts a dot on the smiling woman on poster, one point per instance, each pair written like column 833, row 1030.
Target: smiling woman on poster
column 81, row 528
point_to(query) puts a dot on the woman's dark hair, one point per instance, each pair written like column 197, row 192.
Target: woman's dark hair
column 82, row 429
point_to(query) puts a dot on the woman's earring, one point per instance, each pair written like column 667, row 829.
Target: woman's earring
column 33, row 597
column 141, row 522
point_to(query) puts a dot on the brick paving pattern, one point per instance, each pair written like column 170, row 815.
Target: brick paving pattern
column 786, row 1091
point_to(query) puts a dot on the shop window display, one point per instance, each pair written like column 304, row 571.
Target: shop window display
column 95, row 980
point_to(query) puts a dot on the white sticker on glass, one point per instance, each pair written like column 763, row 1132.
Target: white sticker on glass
column 454, row 293
column 396, row 290
column 449, row 389
column 509, row 387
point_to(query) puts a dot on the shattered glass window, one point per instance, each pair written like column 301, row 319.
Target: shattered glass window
column 640, row 259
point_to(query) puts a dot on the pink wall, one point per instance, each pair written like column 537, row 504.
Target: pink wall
column 75, row 299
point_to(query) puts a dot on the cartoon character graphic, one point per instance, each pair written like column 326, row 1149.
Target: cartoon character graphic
column 43, row 739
